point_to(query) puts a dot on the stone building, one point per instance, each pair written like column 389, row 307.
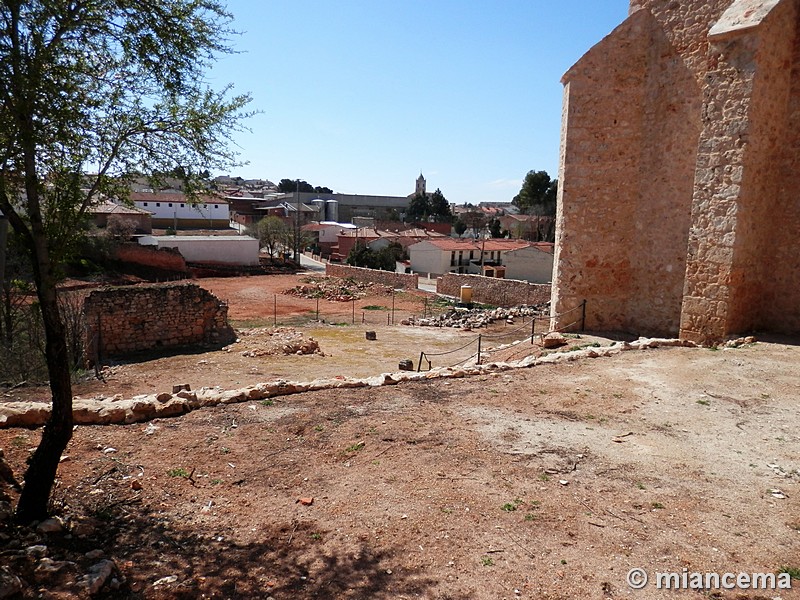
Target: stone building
column 679, row 186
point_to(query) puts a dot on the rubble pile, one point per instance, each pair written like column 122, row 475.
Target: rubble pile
column 265, row 341
column 475, row 318
column 335, row 289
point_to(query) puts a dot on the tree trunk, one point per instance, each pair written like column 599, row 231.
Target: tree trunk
column 41, row 472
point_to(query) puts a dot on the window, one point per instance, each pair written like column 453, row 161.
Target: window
column 145, row 203
column 181, row 204
column 170, row 204
column 215, row 206
column 158, row 204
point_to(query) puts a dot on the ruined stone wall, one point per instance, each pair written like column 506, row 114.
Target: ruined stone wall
column 494, row 291
column 390, row 278
column 164, row 259
column 123, row 320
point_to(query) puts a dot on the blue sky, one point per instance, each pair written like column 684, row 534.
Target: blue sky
column 362, row 95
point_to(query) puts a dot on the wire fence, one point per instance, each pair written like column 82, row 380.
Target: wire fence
column 393, row 310
column 425, row 357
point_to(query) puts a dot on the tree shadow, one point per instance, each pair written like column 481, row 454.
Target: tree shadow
column 163, row 560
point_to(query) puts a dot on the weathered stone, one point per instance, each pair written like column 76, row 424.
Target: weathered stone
column 10, row 584
column 53, row 525
column 98, row 575
column 553, row 340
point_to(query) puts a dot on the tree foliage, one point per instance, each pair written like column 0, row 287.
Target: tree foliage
column 538, row 194
column 114, row 87
column 289, row 186
column 384, row 259
column 429, row 207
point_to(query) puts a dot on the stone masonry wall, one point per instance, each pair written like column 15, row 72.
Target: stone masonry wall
column 738, row 185
column 395, row 280
column 679, row 208
column 782, row 284
column 165, row 259
column 494, row 291
column 123, row 320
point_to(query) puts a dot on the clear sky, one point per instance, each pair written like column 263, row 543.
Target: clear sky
column 363, row 95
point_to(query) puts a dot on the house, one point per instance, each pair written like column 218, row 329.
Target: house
column 379, row 238
column 209, row 249
column 170, row 208
column 448, row 255
column 325, row 236
column 108, row 211
column 533, row 263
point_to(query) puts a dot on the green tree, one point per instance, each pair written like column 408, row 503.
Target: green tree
column 424, row 206
column 419, row 208
column 111, row 86
column 459, row 226
column 538, row 194
column 496, row 229
column 384, row 259
column 288, row 186
column 440, row 207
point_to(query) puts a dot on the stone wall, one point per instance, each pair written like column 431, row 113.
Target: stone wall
column 678, row 173
column 123, row 320
column 163, row 259
column 390, row 278
column 497, row 292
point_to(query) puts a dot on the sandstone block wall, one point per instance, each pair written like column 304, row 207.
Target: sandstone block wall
column 164, row 259
column 678, row 173
column 395, row 280
column 497, row 292
column 123, row 320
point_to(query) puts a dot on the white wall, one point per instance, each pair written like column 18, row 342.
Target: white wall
column 184, row 211
column 427, row 258
column 233, row 250
column 529, row 264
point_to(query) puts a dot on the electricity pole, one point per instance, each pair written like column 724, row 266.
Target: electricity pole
column 297, row 225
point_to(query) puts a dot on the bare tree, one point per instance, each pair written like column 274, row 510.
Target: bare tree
column 114, row 87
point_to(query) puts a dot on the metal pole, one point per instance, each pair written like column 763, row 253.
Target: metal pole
column 583, row 315
column 419, row 366
column 533, row 328
column 392, row 306
column 297, row 223
column 479, row 349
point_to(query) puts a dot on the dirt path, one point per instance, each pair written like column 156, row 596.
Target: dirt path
column 545, row 483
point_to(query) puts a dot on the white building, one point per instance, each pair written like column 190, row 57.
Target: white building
column 533, row 263
column 220, row 249
column 171, row 209
column 449, row 255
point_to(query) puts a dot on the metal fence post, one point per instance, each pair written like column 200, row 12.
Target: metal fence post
column 583, row 315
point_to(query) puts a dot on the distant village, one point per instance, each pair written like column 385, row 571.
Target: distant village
column 490, row 239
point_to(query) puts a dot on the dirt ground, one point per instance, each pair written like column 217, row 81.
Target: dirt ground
column 551, row 482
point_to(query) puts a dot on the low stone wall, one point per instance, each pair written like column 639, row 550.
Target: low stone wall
column 123, row 320
column 390, row 278
column 494, row 291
